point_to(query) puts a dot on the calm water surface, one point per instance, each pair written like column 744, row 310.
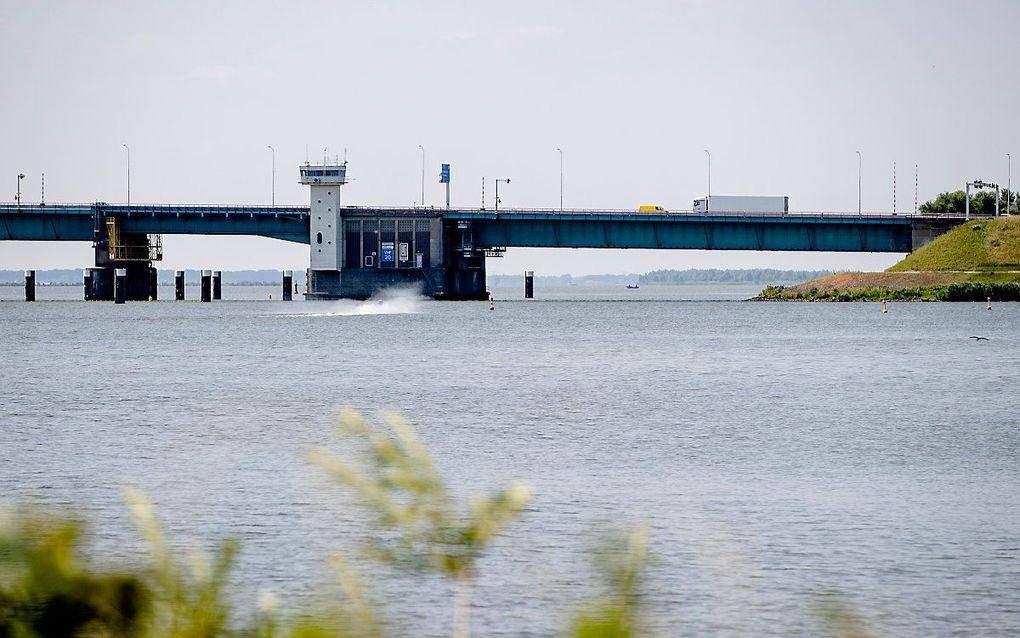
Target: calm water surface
column 776, row 450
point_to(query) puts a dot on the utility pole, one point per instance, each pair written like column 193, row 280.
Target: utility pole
column 422, row 175
column 894, row 188
column 561, row 178
column 708, row 199
column 273, row 150
column 858, row 183
column 915, row 189
column 128, row 173
column 505, row 181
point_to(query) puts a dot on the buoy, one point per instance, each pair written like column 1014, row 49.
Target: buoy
column 989, row 304
column 885, row 308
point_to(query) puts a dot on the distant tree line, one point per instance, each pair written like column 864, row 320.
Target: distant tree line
column 954, row 204
column 714, row 275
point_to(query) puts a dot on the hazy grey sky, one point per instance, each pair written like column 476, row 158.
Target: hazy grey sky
column 783, row 93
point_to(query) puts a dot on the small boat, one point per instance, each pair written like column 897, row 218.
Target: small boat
column 632, row 286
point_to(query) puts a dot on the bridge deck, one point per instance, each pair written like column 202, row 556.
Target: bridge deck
column 810, row 231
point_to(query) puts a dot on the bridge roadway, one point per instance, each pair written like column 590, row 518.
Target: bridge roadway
column 506, row 228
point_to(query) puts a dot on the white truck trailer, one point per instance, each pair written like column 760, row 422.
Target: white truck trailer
column 742, row 204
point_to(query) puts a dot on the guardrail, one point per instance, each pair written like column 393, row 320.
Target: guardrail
column 83, row 207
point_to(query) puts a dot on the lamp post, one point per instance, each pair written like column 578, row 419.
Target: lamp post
column 505, row 181
column 128, row 173
column 17, row 197
column 561, row 178
column 859, row 161
column 708, row 199
column 1009, row 181
column 273, row 150
column 422, row 175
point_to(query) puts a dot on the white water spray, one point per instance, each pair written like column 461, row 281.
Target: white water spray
column 396, row 300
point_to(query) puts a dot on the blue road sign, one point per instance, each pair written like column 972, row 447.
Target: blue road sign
column 444, row 173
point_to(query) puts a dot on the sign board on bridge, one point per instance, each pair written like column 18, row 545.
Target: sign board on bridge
column 444, row 173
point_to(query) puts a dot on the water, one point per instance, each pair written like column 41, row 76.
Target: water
column 775, row 450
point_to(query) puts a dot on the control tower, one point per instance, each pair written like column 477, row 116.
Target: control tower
column 325, row 231
column 358, row 251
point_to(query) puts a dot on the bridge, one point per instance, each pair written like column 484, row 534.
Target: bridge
column 356, row 250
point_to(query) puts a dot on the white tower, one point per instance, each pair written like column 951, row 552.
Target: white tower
column 325, row 181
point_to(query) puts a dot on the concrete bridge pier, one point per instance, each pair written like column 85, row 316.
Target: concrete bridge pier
column 132, row 252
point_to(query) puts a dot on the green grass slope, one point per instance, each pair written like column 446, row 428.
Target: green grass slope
column 987, row 245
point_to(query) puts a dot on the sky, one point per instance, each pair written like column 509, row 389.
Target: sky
column 782, row 93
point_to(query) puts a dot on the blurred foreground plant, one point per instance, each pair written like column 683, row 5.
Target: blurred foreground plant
column 46, row 591
column 185, row 604
column 398, row 480
column 617, row 614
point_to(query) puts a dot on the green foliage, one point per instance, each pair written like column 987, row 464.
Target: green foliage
column 954, row 204
column 945, row 205
column 396, row 478
column 185, row 603
column 773, row 292
column 974, row 291
column 45, row 590
column 617, row 614
column 964, row 291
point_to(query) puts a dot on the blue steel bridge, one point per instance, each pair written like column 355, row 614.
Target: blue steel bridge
column 444, row 249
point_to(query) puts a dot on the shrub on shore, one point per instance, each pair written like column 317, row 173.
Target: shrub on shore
column 965, row 291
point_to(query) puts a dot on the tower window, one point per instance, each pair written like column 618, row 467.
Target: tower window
column 318, row 238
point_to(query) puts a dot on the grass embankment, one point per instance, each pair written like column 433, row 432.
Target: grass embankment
column 979, row 245
column 975, row 261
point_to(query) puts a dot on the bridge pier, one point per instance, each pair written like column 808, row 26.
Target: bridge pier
column 288, row 285
column 131, row 252
column 400, row 249
column 29, row 285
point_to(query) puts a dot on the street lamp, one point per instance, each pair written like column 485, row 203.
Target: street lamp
column 17, row 197
column 422, row 175
column 859, row 182
column 273, row 150
column 561, row 178
column 708, row 200
column 128, row 173
column 505, row 181
column 1009, row 182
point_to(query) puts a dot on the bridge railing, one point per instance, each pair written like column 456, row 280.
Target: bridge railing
column 63, row 207
column 261, row 209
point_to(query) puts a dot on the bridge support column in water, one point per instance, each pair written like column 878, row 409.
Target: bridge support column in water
column 29, row 285
column 179, row 285
column 288, row 285
column 206, row 286
column 131, row 252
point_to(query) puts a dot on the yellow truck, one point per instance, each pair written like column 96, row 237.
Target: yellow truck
column 651, row 209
